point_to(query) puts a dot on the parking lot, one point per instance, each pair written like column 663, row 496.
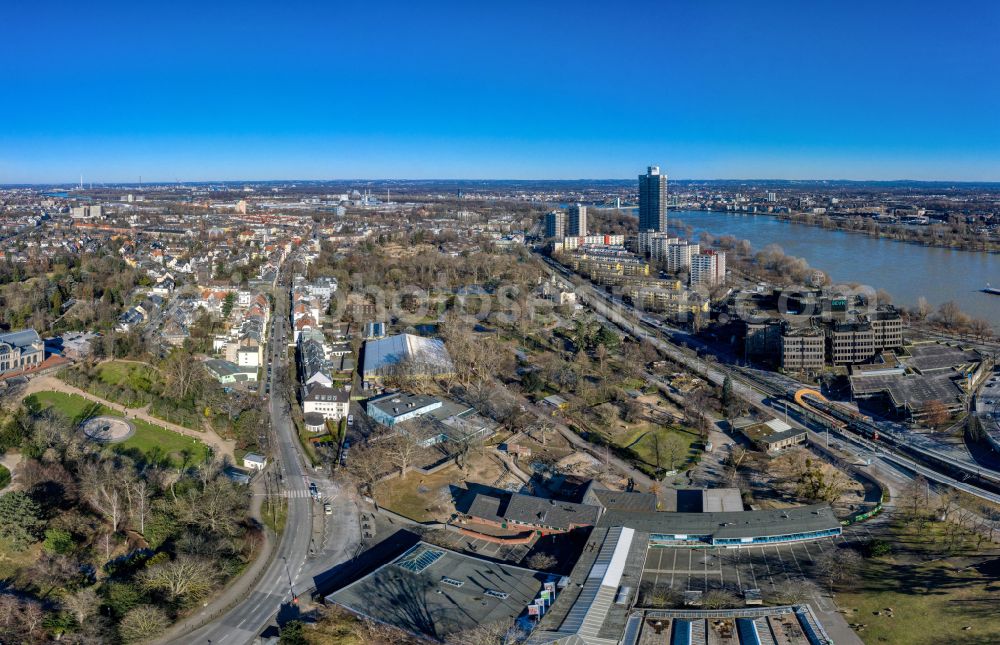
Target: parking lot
column 764, row 567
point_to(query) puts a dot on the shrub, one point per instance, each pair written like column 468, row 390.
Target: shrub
column 876, row 548
column 58, row 541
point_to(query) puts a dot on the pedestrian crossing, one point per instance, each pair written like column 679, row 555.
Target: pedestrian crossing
column 297, row 492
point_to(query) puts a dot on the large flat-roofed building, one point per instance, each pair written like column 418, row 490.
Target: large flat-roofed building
column 396, row 407
column 593, row 608
column 730, row 528
column 700, row 500
column 762, row 339
column 595, row 605
column 887, row 328
column 701, row 516
column 433, row 593
column 21, row 350
column 418, row 356
column 515, row 511
column 784, row 625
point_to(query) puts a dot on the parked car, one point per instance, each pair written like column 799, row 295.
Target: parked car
column 350, row 419
column 328, row 508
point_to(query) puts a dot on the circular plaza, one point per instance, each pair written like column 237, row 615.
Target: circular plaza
column 107, row 429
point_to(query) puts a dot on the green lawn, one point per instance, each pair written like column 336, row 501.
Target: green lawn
column 154, row 442
column 13, row 561
column 642, row 439
column 134, row 375
column 931, row 602
column 932, row 598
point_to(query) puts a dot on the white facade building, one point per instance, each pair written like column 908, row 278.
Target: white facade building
column 708, row 268
column 679, row 255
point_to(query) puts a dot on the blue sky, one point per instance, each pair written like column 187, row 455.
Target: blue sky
column 707, row 89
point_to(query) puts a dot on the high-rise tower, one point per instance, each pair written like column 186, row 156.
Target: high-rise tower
column 576, row 220
column 653, row 200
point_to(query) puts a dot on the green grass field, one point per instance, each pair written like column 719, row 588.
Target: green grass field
column 642, row 439
column 136, row 376
column 931, row 602
column 933, row 599
column 154, row 442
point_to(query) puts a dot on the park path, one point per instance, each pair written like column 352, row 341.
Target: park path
column 50, row 383
column 11, row 460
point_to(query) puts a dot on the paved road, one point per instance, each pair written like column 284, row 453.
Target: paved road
column 289, row 574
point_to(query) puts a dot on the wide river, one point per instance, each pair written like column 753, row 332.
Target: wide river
column 906, row 271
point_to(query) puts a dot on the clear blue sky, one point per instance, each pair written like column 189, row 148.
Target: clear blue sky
column 325, row 89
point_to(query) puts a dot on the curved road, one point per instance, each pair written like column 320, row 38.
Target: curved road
column 280, row 581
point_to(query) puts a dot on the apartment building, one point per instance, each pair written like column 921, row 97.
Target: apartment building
column 555, row 224
column 654, row 243
column 680, row 253
column 673, row 301
column 576, row 220
column 604, row 266
column 332, row 403
column 708, row 268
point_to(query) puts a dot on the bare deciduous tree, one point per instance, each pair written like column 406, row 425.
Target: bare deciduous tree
column 838, row 566
column 186, row 578
column 103, row 488
column 142, row 623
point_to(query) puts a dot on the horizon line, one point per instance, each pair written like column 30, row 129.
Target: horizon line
column 106, row 183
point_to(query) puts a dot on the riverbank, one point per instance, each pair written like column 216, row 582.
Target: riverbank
column 893, row 232
column 910, row 272
column 883, row 231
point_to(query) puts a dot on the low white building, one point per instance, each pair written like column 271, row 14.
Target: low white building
column 253, row 461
